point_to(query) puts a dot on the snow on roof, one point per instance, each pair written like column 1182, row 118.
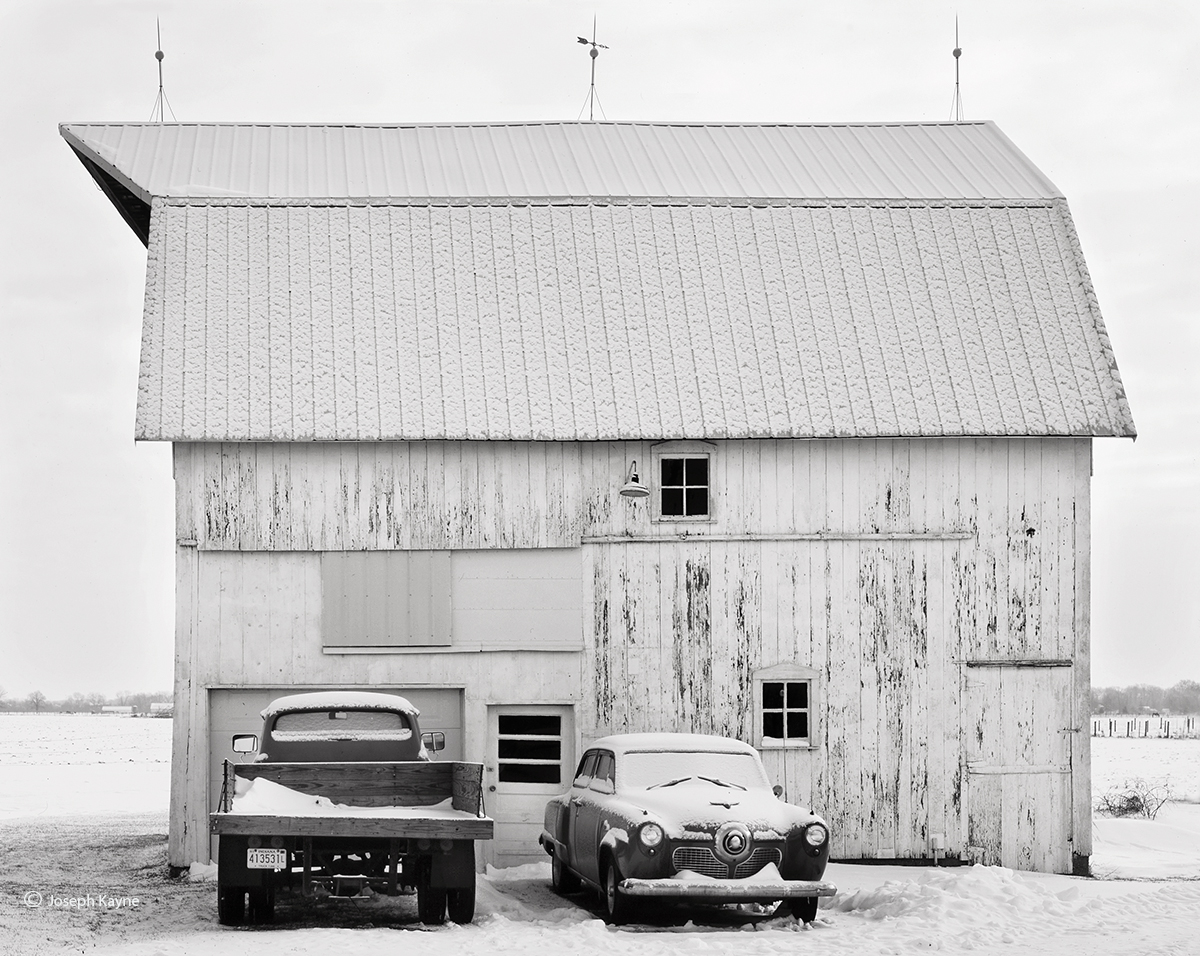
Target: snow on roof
column 671, row 743
column 681, row 160
column 581, row 320
column 340, row 700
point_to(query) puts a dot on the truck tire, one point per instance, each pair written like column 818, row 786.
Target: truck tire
column 460, row 902
column 231, row 905
column 262, row 905
column 431, row 905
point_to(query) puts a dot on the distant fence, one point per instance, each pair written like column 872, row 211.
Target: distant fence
column 1123, row 725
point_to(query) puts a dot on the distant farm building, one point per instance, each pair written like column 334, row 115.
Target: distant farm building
column 408, row 370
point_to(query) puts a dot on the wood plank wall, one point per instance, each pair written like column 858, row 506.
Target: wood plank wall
column 884, row 564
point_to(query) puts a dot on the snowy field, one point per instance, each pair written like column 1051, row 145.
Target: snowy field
column 83, row 803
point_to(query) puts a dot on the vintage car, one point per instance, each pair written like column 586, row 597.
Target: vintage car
column 684, row 818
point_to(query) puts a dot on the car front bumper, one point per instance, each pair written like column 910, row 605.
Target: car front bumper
column 728, row 890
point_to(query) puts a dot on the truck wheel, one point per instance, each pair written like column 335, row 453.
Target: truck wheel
column 460, row 902
column 562, row 880
column 804, row 908
column 262, row 905
column 231, row 905
column 431, row 905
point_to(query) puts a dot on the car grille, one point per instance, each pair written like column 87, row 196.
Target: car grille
column 701, row 859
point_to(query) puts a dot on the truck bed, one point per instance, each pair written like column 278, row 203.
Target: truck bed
column 391, row 799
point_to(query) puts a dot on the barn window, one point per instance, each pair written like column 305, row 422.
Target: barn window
column 683, row 474
column 784, row 706
column 529, row 748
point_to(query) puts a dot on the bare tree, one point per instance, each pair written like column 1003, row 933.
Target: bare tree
column 36, row 700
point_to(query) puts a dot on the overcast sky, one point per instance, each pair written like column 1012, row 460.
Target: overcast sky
column 1102, row 96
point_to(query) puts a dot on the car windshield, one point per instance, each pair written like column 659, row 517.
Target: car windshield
column 643, row 771
column 315, row 725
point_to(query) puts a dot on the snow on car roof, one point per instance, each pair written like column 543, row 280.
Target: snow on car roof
column 672, row 743
column 339, row 700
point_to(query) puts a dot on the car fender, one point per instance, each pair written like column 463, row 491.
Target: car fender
column 553, row 846
column 615, row 839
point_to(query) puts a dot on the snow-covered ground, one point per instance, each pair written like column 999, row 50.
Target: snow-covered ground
column 83, row 821
column 1177, row 762
column 72, row 764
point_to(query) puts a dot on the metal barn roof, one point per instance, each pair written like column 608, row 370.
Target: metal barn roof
column 588, row 321
column 586, row 281
column 883, row 161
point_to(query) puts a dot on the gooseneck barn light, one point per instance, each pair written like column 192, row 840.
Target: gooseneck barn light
column 633, row 487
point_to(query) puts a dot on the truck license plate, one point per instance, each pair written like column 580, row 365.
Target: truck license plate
column 262, row 858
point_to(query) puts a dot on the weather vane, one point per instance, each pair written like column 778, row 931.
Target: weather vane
column 593, row 53
column 956, row 110
column 161, row 105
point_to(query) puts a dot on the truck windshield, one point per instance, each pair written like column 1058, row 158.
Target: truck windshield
column 341, row 725
column 643, row 771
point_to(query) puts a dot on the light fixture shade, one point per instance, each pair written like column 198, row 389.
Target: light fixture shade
column 633, row 488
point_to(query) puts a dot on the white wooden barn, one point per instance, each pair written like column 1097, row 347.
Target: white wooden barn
column 407, row 370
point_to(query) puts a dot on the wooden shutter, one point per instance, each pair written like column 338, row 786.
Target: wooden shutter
column 385, row 598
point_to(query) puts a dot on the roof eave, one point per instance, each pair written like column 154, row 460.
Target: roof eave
column 132, row 202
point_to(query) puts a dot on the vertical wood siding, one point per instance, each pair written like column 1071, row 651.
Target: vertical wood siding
column 340, row 496
column 885, row 565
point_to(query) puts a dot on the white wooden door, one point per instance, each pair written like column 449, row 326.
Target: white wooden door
column 531, row 758
column 1019, row 737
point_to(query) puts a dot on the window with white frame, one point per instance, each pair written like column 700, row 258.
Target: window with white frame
column 784, row 706
column 684, row 479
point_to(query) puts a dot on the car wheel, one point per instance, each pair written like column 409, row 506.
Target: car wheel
column 231, row 905
column 431, row 905
column 804, row 908
column 618, row 908
column 460, row 902
column 562, row 880
column 262, row 905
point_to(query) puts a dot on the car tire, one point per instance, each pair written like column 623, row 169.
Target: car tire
column 804, row 908
column 231, row 905
column 618, row 908
column 562, row 880
column 262, row 905
column 431, row 905
column 460, row 903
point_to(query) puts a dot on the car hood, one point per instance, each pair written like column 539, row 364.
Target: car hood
column 701, row 807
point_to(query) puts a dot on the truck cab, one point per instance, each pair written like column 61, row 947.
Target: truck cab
column 337, row 726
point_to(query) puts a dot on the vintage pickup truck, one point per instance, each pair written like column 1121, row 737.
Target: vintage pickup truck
column 342, row 795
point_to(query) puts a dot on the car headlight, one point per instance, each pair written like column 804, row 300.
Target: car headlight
column 651, row 835
column 815, row 835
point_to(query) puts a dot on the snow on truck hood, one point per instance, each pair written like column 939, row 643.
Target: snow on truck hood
column 340, row 700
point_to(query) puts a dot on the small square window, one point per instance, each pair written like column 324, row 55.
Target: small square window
column 785, row 712
column 684, row 487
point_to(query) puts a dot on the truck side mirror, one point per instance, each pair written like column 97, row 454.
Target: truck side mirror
column 245, row 743
column 435, row 740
